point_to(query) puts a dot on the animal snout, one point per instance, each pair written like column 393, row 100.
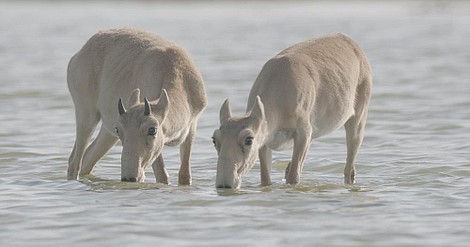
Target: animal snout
column 224, row 186
column 129, row 179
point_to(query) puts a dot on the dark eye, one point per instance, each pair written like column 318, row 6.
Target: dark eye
column 249, row 140
column 152, row 131
column 116, row 130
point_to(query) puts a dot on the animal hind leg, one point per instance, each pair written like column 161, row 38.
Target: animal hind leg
column 354, row 136
column 97, row 149
column 355, row 132
column 86, row 124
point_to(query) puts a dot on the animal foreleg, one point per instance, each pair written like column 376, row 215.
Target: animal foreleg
column 301, row 145
column 158, row 166
column 265, row 159
column 184, row 175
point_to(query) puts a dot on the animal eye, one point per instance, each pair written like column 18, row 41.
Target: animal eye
column 116, row 130
column 249, row 140
column 152, row 131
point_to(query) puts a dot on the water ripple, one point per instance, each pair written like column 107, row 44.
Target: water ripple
column 413, row 169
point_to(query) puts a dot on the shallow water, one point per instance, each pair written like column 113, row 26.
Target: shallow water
column 413, row 169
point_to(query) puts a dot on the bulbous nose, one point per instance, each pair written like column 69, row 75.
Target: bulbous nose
column 129, row 179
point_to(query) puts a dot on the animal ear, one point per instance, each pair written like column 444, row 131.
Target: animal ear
column 134, row 99
column 257, row 112
column 121, row 108
column 162, row 107
column 225, row 112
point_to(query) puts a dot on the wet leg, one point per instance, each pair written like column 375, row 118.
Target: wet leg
column 97, row 149
column 354, row 137
column 265, row 160
column 86, row 124
column 184, row 174
column 302, row 139
column 158, row 166
column 355, row 130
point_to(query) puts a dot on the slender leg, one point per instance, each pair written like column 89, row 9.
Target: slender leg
column 354, row 137
column 97, row 149
column 159, row 170
column 355, row 130
column 86, row 123
column 265, row 159
column 184, row 175
column 302, row 139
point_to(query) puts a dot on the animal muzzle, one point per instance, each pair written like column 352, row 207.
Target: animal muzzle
column 227, row 177
column 226, row 186
column 133, row 179
column 131, row 168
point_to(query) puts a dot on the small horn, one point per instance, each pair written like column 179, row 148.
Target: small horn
column 147, row 109
column 121, row 108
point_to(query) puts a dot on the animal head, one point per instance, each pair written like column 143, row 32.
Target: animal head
column 140, row 130
column 237, row 142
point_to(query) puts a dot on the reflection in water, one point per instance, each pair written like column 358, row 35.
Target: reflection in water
column 97, row 184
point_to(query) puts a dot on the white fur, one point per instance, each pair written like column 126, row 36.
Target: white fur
column 132, row 64
column 306, row 91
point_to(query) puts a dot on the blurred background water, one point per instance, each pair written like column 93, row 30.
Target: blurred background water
column 413, row 168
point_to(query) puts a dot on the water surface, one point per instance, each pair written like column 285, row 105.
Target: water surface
column 413, row 168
